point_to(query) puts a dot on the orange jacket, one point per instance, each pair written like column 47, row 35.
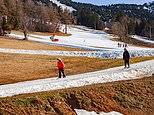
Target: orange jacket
column 60, row 65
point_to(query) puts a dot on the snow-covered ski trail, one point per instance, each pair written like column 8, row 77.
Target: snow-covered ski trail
column 138, row 70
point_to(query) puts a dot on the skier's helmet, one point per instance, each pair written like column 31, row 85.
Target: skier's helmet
column 59, row 59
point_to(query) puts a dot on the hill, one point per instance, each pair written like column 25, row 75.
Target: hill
column 140, row 18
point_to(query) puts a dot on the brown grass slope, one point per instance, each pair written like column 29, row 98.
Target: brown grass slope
column 134, row 97
column 17, row 67
column 11, row 43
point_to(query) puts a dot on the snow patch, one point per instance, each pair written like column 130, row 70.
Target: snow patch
column 63, row 5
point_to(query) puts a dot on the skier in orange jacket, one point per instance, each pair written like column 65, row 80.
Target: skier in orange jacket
column 61, row 66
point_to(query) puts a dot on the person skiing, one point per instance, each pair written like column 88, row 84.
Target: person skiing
column 60, row 66
column 126, row 58
column 118, row 45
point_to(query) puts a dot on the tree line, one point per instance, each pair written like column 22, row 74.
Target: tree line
column 32, row 15
column 122, row 19
column 43, row 15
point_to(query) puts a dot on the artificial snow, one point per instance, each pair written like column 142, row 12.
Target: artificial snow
column 143, row 39
column 138, row 70
column 92, row 54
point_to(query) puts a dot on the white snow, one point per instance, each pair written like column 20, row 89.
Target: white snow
column 91, row 54
column 84, row 112
column 138, row 70
column 143, row 39
column 83, row 37
column 63, row 5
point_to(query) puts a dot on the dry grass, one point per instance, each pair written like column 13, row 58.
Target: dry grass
column 10, row 43
column 16, row 67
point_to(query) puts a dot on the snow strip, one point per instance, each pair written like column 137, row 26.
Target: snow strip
column 91, row 54
column 46, row 40
column 142, row 39
column 84, row 112
column 138, row 70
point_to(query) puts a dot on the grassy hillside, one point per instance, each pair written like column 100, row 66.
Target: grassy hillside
column 17, row 67
column 11, row 43
column 128, row 97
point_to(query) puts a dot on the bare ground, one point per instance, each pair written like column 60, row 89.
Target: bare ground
column 133, row 97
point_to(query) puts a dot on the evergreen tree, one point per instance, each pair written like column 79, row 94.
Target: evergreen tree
column 131, row 26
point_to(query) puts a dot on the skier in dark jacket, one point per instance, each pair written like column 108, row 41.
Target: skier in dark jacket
column 60, row 66
column 126, row 58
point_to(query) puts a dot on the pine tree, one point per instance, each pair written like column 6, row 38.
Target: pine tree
column 131, row 26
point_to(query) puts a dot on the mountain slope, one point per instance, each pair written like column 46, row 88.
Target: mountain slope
column 140, row 18
column 62, row 5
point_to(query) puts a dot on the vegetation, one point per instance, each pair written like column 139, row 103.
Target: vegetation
column 29, row 15
column 129, row 18
column 43, row 15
